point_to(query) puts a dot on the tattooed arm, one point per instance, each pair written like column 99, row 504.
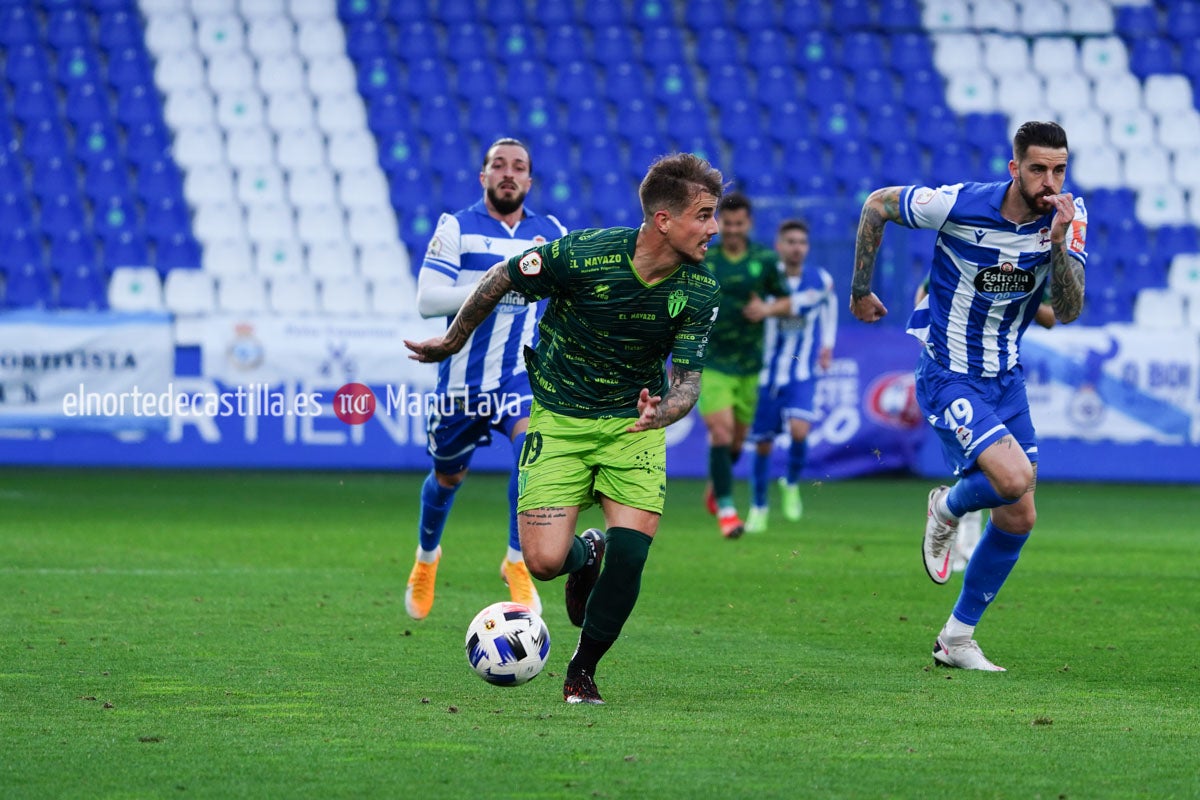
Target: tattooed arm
column 482, row 300
column 1066, row 275
column 882, row 206
column 659, row 411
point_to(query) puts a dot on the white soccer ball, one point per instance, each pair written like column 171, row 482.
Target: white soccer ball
column 507, row 644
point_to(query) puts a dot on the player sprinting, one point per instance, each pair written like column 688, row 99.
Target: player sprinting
column 998, row 244
column 750, row 292
column 485, row 386
column 794, row 347
column 621, row 301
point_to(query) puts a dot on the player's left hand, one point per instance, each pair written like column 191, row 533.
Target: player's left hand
column 868, row 309
column 647, row 412
column 1064, row 213
column 755, row 309
column 429, row 351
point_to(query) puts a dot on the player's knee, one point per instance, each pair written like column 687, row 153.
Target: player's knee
column 1012, row 484
column 449, row 480
column 542, row 568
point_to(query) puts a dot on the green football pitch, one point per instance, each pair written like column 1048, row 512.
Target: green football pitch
column 226, row 635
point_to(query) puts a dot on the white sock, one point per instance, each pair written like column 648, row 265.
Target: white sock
column 956, row 631
column 942, row 510
column 726, row 511
column 514, row 556
column 427, row 556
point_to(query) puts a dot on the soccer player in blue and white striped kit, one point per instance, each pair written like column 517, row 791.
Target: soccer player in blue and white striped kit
column 998, row 245
column 485, row 386
column 794, row 347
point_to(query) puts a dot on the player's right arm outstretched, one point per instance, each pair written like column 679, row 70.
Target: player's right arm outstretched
column 881, row 207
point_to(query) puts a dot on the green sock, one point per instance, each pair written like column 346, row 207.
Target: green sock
column 576, row 557
column 720, row 469
column 620, row 581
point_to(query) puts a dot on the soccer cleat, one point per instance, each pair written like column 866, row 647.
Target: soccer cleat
column 581, row 689
column 418, row 596
column 730, row 524
column 963, row 656
column 710, row 500
column 793, row 507
column 580, row 582
column 520, row 584
column 938, row 540
column 756, row 520
column 970, row 529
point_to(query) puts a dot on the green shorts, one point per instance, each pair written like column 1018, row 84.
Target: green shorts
column 720, row 390
column 568, row 461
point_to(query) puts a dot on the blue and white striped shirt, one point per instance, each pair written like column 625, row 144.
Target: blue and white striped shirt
column 987, row 275
column 464, row 246
column 792, row 344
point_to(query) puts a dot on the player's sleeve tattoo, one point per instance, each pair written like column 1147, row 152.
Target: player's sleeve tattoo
column 679, row 399
column 1066, row 284
column 883, row 205
column 482, row 300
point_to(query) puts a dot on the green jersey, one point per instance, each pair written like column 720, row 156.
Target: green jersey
column 606, row 333
column 737, row 343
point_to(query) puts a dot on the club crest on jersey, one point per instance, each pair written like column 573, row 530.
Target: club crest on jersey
column 676, row 302
column 530, row 264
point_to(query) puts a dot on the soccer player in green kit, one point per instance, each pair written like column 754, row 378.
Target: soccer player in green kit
column 751, row 291
column 621, row 301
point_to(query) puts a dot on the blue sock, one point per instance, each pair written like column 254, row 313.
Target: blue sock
column 760, row 475
column 435, row 506
column 993, row 559
column 514, row 533
column 974, row 492
column 797, row 454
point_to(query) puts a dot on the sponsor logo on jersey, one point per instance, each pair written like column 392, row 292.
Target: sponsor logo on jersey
column 612, row 258
column 530, row 264
column 1005, row 280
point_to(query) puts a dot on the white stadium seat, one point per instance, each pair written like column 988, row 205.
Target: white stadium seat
column 352, row 150
column 332, row 75
column 260, row 185
column 1087, row 129
column 1055, row 56
column 189, row 108
column 1104, row 57
column 270, row 223
column 199, row 147
column 254, row 10
column 1186, row 168
column 1119, row 92
column 293, row 294
column 232, row 72
column 1183, row 276
column 1132, row 129
column 1040, row 17
column 210, row 184
column 1004, row 55
column 1096, row 168
column 369, row 226
column 301, row 148
column 321, row 224
column 135, row 289
column 282, row 73
column 1161, row 205
column 957, row 52
column 305, row 10
column 218, row 221
column 241, row 294
column 332, row 259
column 271, row 36
column 279, row 257
column 365, row 186
column 227, row 257
column 287, row 111
column 385, row 259
column 1070, row 92
column 1147, row 168
column 311, row 186
column 320, row 37
column 1165, row 94
column 341, row 113
column 989, row 15
column 220, row 35
column 972, row 92
column 347, row 294
column 170, row 33
column 208, row 8
column 1163, row 309
column 1089, row 17
column 240, row 109
column 394, row 296
column 189, row 291
column 946, row 15
column 183, row 69
column 1017, row 91
column 250, row 147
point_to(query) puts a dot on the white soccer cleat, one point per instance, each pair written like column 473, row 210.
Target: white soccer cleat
column 938, row 541
column 963, row 656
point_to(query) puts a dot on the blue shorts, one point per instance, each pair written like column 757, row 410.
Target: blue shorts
column 969, row 414
column 793, row 400
column 457, row 425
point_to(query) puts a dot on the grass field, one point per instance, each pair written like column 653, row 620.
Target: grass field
column 227, row 635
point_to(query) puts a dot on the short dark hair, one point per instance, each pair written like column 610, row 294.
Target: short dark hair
column 673, row 181
column 792, row 224
column 487, row 154
column 735, row 201
column 1038, row 134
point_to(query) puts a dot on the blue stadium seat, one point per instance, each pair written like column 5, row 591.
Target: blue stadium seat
column 96, row 141
column 27, row 63
column 71, row 248
column 10, row 142
column 488, row 118
column 367, row 38
column 816, row 48
column 28, row 286
column 180, row 250
column 993, row 159
column 417, row 226
column 1136, row 21
column 468, row 40
column 981, row 128
column 18, row 26
column 901, row 163
column 611, row 44
column 44, row 138
column 717, row 47
column 809, row 183
column 565, row 43
column 34, row 101
column 399, row 150
column 885, row 122
column 420, row 40
column 673, row 84
column 518, row 44
column 754, row 156
column 400, row 192
column 1152, row 55
column 727, row 83
column 476, row 78
column 641, row 152
column 874, row 88
column 453, row 12
column 561, row 191
column 137, row 103
column 388, row 113
column 129, row 66
column 86, row 103
column 105, row 178
column 863, row 50
column 584, row 115
column 766, row 184
column 351, row 11
column 922, row 88
column 166, row 215
column 550, row 150
column 706, row 15
column 125, row 249
column 536, row 115
column 787, row 120
column 1183, row 21
column 117, row 30
column 686, row 118
column 757, row 15
column 599, row 13
column 78, row 65
column 778, row 84
column 427, row 78
column 147, row 143
column 118, row 215
column 739, row 121
column 953, row 162
column 851, row 15
column 767, row 48
column 575, row 79
column 555, row 15
column 82, row 287
column 599, row 156
column 12, row 171
column 911, row 52
column 899, row 15
column 409, row 11
column 612, row 203
column 453, row 151
column 1189, row 59
column 436, row 114
column 825, row 86
column 19, row 246
column 802, row 16
column 935, row 124
column 15, row 209
column 624, row 81
column 62, row 212
column 700, row 143
column 66, row 28
column 653, row 14
column 525, row 80
column 662, row 47
column 1171, row 240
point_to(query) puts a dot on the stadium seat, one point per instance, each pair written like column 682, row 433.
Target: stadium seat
column 1160, row 204
column 1182, row 22
column 910, row 52
column 717, row 46
column 189, row 292
column 940, row 15
column 1103, row 57
column 1152, row 56
column 1132, row 129
column 387, row 260
column 332, row 259
column 135, row 289
column 1055, row 56
column 241, row 294
column 70, row 248
column 391, row 295
column 293, row 294
column 341, row 114
column 1160, row 309
column 777, row 84
column 1090, row 17
column 1097, row 168
column 82, row 288
column 28, row 286
column 346, row 295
